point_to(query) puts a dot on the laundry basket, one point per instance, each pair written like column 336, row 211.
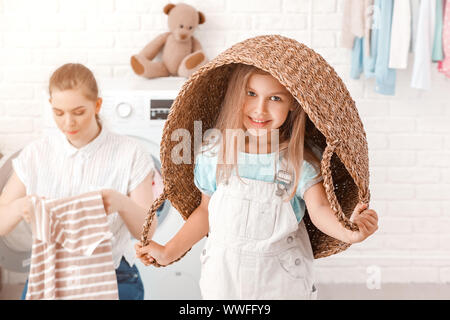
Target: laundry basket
column 333, row 127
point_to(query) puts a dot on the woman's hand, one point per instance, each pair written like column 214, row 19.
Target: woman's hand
column 24, row 206
column 151, row 253
column 112, row 200
column 366, row 220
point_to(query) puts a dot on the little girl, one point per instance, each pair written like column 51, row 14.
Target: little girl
column 258, row 246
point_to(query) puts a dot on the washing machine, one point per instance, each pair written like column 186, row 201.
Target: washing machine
column 15, row 248
column 137, row 108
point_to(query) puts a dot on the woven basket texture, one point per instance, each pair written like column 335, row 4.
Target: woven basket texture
column 333, row 127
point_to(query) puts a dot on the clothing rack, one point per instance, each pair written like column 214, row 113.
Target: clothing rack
column 383, row 33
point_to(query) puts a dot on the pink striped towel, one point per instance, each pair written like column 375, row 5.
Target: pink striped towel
column 71, row 255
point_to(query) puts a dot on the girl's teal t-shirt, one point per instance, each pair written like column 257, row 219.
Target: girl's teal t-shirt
column 256, row 167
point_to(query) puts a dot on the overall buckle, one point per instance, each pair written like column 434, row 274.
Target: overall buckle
column 283, row 179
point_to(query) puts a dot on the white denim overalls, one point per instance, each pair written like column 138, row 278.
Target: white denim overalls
column 256, row 249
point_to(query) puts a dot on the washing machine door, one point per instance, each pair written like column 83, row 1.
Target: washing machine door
column 153, row 149
column 15, row 248
column 179, row 280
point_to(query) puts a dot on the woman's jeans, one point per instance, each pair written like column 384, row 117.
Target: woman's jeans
column 129, row 282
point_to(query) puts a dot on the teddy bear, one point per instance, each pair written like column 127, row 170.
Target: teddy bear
column 182, row 53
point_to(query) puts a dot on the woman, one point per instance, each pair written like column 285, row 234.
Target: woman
column 84, row 156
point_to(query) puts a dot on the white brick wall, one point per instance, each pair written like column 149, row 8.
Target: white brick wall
column 409, row 134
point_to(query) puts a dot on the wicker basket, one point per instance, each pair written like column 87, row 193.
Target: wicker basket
column 333, row 126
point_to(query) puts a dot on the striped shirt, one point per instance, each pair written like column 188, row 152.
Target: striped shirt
column 71, row 256
column 51, row 167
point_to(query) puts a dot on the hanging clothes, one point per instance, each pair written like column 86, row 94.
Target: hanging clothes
column 384, row 76
column 371, row 59
column 357, row 59
column 400, row 35
column 415, row 9
column 356, row 32
column 437, row 53
column 444, row 65
column 421, row 75
column 353, row 22
column 376, row 64
column 71, row 254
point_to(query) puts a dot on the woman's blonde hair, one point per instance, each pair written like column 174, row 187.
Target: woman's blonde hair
column 291, row 133
column 73, row 76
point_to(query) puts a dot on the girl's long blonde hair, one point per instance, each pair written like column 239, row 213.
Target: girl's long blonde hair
column 291, row 133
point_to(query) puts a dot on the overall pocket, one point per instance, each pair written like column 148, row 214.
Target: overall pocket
column 249, row 219
column 260, row 220
column 292, row 263
column 233, row 216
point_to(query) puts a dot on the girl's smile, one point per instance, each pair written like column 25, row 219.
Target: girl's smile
column 259, row 123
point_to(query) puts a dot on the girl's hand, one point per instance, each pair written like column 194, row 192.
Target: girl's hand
column 145, row 258
column 366, row 220
column 151, row 253
column 112, row 200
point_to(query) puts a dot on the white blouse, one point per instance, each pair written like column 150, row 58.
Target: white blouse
column 51, row 167
column 400, row 35
column 421, row 73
